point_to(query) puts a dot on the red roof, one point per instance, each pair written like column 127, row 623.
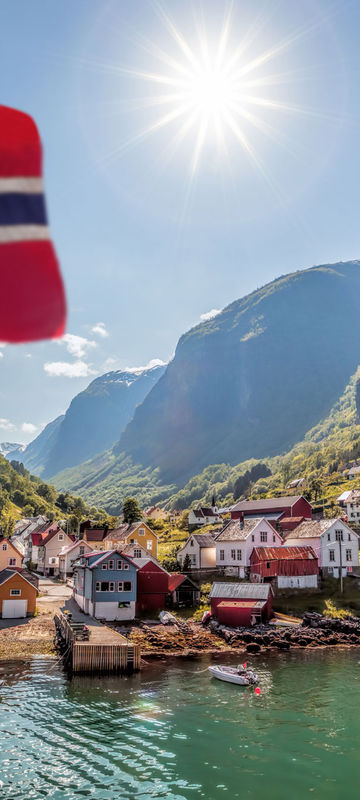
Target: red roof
column 175, row 580
column 95, row 534
column 283, row 552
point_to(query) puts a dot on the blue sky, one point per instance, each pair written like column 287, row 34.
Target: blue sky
column 147, row 241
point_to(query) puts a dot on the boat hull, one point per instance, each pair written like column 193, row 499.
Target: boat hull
column 223, row 674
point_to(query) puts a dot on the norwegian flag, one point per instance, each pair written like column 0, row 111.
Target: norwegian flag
column 32, row 298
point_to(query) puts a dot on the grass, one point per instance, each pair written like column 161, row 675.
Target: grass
column 302, row 601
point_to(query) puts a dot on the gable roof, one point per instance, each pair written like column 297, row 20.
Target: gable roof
column 6, row 574
column 107, row 554
column 238, row 531
column 241, row 591
column 204, row 539
column 177, row 578
column 267, row 502
column 141, row 562
column 204, row 512
column 123, row 531
column 313, row 529
column 283, row 553
column 95, row 534
column 67, row 548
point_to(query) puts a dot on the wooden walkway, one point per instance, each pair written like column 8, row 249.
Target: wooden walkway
column 105, row 651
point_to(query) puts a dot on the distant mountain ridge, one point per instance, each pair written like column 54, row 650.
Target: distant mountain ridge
column 93, row 421
column 247, row 384
column 12, row 450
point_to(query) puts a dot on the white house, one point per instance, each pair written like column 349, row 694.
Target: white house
column 352, row 502
column 235, row 543
column 204, row 516
column 70, row 553
column 200, row 547
column 333, row 542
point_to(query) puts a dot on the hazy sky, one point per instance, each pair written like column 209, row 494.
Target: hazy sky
column 174, row 188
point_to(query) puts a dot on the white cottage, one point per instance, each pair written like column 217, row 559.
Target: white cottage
column 235, row 543
column 69, row 554
column 333, row 541
column 200, row 547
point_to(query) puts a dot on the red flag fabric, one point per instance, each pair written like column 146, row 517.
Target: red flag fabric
column 32, row 297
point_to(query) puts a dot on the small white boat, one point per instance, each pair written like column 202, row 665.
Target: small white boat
column 239, row 675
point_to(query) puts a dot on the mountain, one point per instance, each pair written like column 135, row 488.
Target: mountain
column 12, row 450
column 253, row 380
column 247, row 384
column 93, row 421
column 37, row 452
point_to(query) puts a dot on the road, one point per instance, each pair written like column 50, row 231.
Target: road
column 52, row 592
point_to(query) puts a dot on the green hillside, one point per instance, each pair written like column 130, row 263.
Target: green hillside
column 24, row 495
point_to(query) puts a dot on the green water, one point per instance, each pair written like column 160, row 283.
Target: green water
column 173, row 732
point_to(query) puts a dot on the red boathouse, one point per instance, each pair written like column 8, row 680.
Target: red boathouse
column 241, row 604
column 152, row 585
column 295, row 567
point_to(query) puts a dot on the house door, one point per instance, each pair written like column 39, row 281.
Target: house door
column 51, row 571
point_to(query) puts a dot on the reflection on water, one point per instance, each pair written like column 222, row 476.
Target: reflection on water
column 174, row 732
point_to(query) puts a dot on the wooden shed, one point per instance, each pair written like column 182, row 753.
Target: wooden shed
column 241, row 604
column 295, row 567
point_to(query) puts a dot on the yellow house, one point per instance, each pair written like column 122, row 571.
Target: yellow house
column 9, row 555
column 136, row 533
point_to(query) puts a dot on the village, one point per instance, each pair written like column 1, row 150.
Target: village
column 231, row 579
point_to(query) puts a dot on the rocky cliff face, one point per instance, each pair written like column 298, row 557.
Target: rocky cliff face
column 254, row 379
column 92, row 423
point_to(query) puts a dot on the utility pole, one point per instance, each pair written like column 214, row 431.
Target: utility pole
column 341, row 574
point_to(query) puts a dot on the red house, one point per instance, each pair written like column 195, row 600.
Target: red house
column 295, row 567
column 152, row 585
column 273, row 507
column 241, row 604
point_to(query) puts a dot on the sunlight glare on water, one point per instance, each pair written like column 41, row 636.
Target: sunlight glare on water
column 174, row 732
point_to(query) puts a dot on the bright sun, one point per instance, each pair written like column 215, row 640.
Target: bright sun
column 211, row 90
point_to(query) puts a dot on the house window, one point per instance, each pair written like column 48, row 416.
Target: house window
column 15, row 592
column 12, row 562
column 222, row 555
column 137, row 554
column 191, row 543
column 238, row 555
column 274, row 538
column 82, row 550
column 141, row 531
column 253, row 537
column 132, row 541
column 104, row 586
column 349, row 537
column 119, row 565
column 60, row 537
column 328, row 537
column 268, row 565
column 4, row 547
column 233, row 553
column 111, row 564
column 104, row 566
column 149, row 544
column 339, row 536
column 263, row 536
column 193, row 559
column 124, row 586
column 332, row 555
column 52, row 560
column 348, row 555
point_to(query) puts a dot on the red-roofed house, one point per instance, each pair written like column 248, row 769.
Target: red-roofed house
column 287, row 567
column 273, row 508
column 152, row 585
column 96, row 537
column 49, row 548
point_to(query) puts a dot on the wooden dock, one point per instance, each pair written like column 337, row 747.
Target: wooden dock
column 105, row 651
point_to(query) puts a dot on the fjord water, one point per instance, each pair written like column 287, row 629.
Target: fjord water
column 176, row 733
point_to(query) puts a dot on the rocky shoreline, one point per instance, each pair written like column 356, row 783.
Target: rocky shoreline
column 315, row 630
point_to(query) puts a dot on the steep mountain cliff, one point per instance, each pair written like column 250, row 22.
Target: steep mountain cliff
column 254, row 379
column 248, row 384
column 93, row 421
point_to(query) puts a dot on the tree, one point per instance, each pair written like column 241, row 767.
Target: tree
column 49, row 493
column 186, row 567
column 131, row 510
